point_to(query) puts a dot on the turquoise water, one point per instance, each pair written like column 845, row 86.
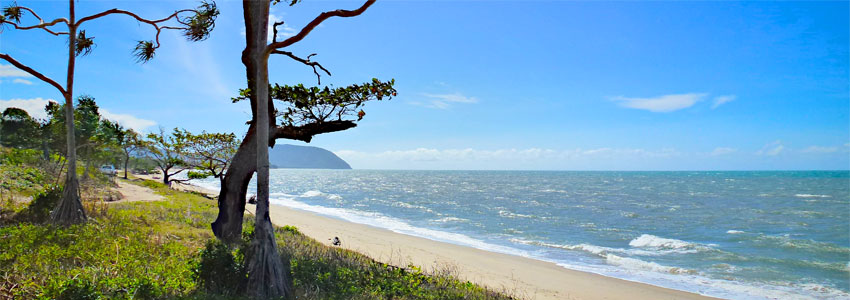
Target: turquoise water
column 741, row 235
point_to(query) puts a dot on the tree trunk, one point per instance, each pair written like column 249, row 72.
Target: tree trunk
column 234, row 188
column 232, row 195
column 70, row 209
column 266, row 277
column 126, row 163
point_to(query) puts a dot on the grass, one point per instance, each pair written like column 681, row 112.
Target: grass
column 165, row 250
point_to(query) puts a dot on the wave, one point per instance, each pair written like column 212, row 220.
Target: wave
column 651, row 241
column 811, row 196
column 396, row 225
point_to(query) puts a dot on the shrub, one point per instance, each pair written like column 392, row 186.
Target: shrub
column 220, row 269
column 42, row 203
column 78, row 289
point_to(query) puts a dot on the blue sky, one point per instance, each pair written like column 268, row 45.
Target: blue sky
column 499, row 84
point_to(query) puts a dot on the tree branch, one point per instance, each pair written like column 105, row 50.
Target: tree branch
column 135, row 16
column 154, row 23
column 35, row 73
column 318, row 20
column 306, row 132
column 41, row 25
column 306, row 62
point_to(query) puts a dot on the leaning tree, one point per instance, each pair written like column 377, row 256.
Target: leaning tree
column 267, row 277
column 196, row 25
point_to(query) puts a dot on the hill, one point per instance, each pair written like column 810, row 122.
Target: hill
column 304, row 157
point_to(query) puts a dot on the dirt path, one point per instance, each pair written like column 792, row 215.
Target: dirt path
column 131, row 192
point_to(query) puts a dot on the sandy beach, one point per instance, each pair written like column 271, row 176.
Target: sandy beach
column 522, row 277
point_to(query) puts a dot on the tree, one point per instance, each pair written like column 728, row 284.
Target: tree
column 168, row 152
column 18, row 129
column 128, row 140
column 196, row 25
column 209, row 153
column 266, row 276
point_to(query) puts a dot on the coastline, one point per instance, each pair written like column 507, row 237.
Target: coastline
column 519, row 276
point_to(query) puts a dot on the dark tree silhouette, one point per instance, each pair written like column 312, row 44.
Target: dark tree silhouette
column 196, row 25
column 267, row 277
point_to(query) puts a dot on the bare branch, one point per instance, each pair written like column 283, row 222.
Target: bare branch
column 318, row 20
column 32, row 72
column 274, row 28
column 306, row 62
column 306, row 132
column 41, row 24
column 135, row 16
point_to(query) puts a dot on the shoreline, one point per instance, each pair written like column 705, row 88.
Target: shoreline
column 525, row 278
column 522, row 277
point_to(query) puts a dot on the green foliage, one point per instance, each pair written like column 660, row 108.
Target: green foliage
column 315, row 105
column 164, row 249
column 209, row 153
column 13, row 12
column 201, row 23
column 220, row 269
column 305, row 105
column 38, row 211
column 78, row 289
column 84, row 44
column 18, row 129
column 144, row 51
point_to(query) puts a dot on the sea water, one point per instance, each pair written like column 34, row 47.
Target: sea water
column 740, row 235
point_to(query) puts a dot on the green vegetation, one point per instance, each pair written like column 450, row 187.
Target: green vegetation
column 164, row 249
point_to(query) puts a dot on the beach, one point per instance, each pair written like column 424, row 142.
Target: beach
column 522, row 277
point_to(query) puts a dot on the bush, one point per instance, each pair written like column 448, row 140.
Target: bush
column 78, row 289
column 220, row 269
column 42, row 203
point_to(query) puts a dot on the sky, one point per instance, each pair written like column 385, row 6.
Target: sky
column 517, row 85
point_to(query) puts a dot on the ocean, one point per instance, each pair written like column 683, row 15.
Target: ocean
column 739, row 235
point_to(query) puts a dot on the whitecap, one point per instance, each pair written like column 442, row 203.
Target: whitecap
column 651, row 241
column 732, row 231
column 637, row 264
column 312, row 194
column 811, row 196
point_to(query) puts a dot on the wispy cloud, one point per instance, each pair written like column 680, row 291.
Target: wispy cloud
column 820, row 150
column 444, row 101
column 284, row 31
column 720, row 100
column 126, row 120
column 771, row 149
column 665, row 103
column 22, row 81
column 723, row 151
column 34, row 107
column 11, row 71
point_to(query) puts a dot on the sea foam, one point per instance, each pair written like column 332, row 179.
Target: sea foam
column 651, row 241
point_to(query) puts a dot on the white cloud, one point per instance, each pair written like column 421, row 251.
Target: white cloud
column 771, row 149
column 720, row 100
column 444, row 101
column 666, row 103
column 126, row 120
column 11, row 71
column 284, row 31
column 22, row 81
column 819, row 149
column 723, row 151
column 34, row 107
